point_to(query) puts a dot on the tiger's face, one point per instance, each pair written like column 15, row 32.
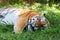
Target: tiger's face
column 42, row 21
column 38, row 21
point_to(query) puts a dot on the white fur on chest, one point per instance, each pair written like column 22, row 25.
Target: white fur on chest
column 11, row 17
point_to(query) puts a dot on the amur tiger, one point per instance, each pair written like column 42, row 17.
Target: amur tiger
column 23, row 18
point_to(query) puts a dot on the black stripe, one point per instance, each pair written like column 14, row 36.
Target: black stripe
column 1, row 16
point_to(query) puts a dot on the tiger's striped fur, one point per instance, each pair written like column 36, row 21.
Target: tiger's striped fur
column 21, row 18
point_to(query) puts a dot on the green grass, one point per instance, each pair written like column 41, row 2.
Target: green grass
column 53, row 33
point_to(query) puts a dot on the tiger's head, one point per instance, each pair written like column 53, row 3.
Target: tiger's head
column 38, row 21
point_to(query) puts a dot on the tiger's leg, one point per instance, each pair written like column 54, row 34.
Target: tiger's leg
column 20, row 25
column 17, row 29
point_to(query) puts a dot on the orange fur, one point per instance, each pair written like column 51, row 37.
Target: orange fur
column 23, row 18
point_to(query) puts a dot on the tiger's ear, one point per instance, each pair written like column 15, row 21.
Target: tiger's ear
column 43, row 14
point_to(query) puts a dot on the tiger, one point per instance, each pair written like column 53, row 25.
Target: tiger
column 23, row 18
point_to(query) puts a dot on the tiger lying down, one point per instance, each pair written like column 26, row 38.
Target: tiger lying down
column 23, row 18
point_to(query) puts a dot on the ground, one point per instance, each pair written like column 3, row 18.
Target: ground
column 52, row 33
